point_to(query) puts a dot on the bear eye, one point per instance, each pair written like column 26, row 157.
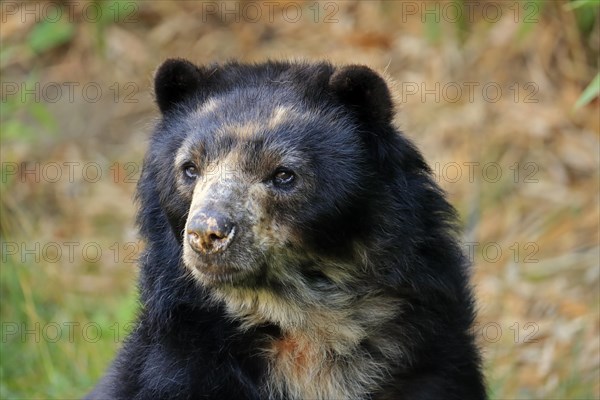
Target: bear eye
column 190, row 171
column 283, row 177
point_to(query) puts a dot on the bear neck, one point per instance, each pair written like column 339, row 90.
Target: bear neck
column 322, row 350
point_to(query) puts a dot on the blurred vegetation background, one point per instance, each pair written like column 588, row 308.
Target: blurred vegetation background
column 501, row 96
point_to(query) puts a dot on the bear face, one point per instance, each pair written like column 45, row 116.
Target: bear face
column 256, row 176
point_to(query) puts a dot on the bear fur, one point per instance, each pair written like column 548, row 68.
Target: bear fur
column 297, row 246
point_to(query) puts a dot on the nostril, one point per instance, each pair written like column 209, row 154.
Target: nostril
column 213, row 237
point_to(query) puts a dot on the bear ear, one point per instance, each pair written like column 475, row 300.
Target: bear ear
column 177, row 80
column 364, row 91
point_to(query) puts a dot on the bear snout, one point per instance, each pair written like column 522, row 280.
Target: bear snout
column 209, row 231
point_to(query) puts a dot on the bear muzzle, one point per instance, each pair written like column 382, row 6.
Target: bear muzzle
column 209, row 231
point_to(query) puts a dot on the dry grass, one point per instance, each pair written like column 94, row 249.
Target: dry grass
column 533, row 231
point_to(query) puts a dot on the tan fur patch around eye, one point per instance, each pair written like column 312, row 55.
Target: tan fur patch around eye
column 267, row 232
column 280, row 114
column 252, row 128
column 207, row 107
column 243, row 131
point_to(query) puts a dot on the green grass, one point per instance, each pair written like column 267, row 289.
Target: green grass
column 57, row 351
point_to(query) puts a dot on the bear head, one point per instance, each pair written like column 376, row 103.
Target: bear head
column 273, row 178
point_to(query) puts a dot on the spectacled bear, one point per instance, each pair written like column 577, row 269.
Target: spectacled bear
column 297, row 246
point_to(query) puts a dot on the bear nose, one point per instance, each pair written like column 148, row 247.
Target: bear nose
column 210, row 232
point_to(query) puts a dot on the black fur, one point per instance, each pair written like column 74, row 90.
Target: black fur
column 372, row 186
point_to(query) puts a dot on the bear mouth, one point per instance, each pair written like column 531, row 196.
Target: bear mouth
column 218, row 274
column 232, row 267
